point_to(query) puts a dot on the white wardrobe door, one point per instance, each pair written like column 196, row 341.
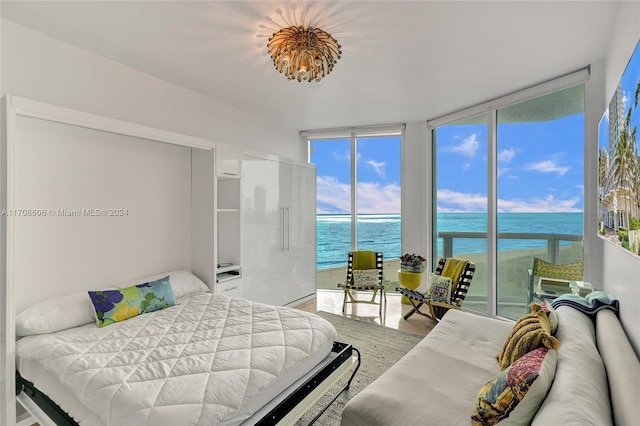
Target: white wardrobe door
column 263, row 258
column 300, row 252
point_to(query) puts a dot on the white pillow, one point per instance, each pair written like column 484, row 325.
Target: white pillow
column 74, row 310
column 183, row 282
column 51, row 315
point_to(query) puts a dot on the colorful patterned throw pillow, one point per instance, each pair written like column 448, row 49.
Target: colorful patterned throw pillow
column 517, row 392
column 118, row 305
column 530, row 332
column 439, row 288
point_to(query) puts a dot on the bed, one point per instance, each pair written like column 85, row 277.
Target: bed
column 208, row 359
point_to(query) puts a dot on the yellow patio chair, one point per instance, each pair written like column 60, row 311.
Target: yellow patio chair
column 461, row 273
column 364, row 274
column 562, row 273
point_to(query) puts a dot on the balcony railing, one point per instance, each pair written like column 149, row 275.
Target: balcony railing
column 553, row 240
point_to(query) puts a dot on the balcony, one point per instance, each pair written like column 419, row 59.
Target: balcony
column 513, row 268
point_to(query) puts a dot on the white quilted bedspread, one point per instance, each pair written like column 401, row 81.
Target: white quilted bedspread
column 196, row 362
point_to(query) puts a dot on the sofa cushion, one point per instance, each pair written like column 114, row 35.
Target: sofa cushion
column 531, row 331
column 445, row 369
column 580, row 394
column 515, row 394
column 622, row 366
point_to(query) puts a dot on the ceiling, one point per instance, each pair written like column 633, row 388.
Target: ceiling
column 402, row 61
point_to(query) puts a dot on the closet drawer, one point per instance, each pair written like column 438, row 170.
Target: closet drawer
column 231, row 287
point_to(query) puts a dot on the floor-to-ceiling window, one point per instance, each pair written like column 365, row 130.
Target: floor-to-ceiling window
column 460, row 158
column 508, row 187
column 358, row 200
column 540, row 164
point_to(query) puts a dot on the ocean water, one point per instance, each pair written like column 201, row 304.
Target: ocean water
column 383, row 233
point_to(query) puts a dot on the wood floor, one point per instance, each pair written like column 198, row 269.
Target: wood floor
column 331, row 301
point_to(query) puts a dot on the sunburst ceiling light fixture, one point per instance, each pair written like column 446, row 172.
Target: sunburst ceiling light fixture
column 304, row 53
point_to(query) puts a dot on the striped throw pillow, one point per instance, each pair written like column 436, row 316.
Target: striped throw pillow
column 530, row 332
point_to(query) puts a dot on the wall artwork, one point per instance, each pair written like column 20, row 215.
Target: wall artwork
column 619, row 163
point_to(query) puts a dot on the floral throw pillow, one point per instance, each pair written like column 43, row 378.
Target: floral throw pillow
column 517, row 392
column 112, row 306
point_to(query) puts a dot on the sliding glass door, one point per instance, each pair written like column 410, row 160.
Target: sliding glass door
column 460, row 153
column 358, row 202
column 540, row 163
column 332, row 158
column 508, row 188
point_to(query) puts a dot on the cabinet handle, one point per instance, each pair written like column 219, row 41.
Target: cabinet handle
column 288, row 227
column 282, row 225
column 230, row 174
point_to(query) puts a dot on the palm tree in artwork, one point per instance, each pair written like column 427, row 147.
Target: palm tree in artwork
column 636, row 174
column 636, row 183
column 603, row 168
column 624, row 161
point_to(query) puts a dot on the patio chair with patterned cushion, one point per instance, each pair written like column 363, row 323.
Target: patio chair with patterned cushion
column 461, row 273
column 364, row 274
column 557, row 278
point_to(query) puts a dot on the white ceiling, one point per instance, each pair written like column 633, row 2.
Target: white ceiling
column 402, row 61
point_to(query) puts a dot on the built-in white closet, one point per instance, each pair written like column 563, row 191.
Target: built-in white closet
column 279, row 232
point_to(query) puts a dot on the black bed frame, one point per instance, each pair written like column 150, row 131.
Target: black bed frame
column 343, row 353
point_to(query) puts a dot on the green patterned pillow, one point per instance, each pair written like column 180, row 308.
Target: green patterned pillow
column 517, row 392
column 118, row 305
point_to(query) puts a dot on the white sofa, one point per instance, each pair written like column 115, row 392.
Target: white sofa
column 597, row 380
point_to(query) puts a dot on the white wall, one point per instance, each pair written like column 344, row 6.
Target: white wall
column 416, row 179
column 41, row 68
column 66, row 168
column 621, row 269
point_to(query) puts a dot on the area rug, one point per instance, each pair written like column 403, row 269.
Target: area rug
column 380, row 348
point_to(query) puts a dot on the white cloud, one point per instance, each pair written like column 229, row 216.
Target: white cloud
column 346, row 156
column 503, row 170
column 548, row 204
column 332, row 196
column 455, row 201
column 626, row 99
column 335, row 197
column 467, row 147
column 376, row 198
column 378, row 167
column 547, row 166
column 506, row 155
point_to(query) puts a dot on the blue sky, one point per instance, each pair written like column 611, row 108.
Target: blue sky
column 540, row 169
column 540, row 166
column 378, row 175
